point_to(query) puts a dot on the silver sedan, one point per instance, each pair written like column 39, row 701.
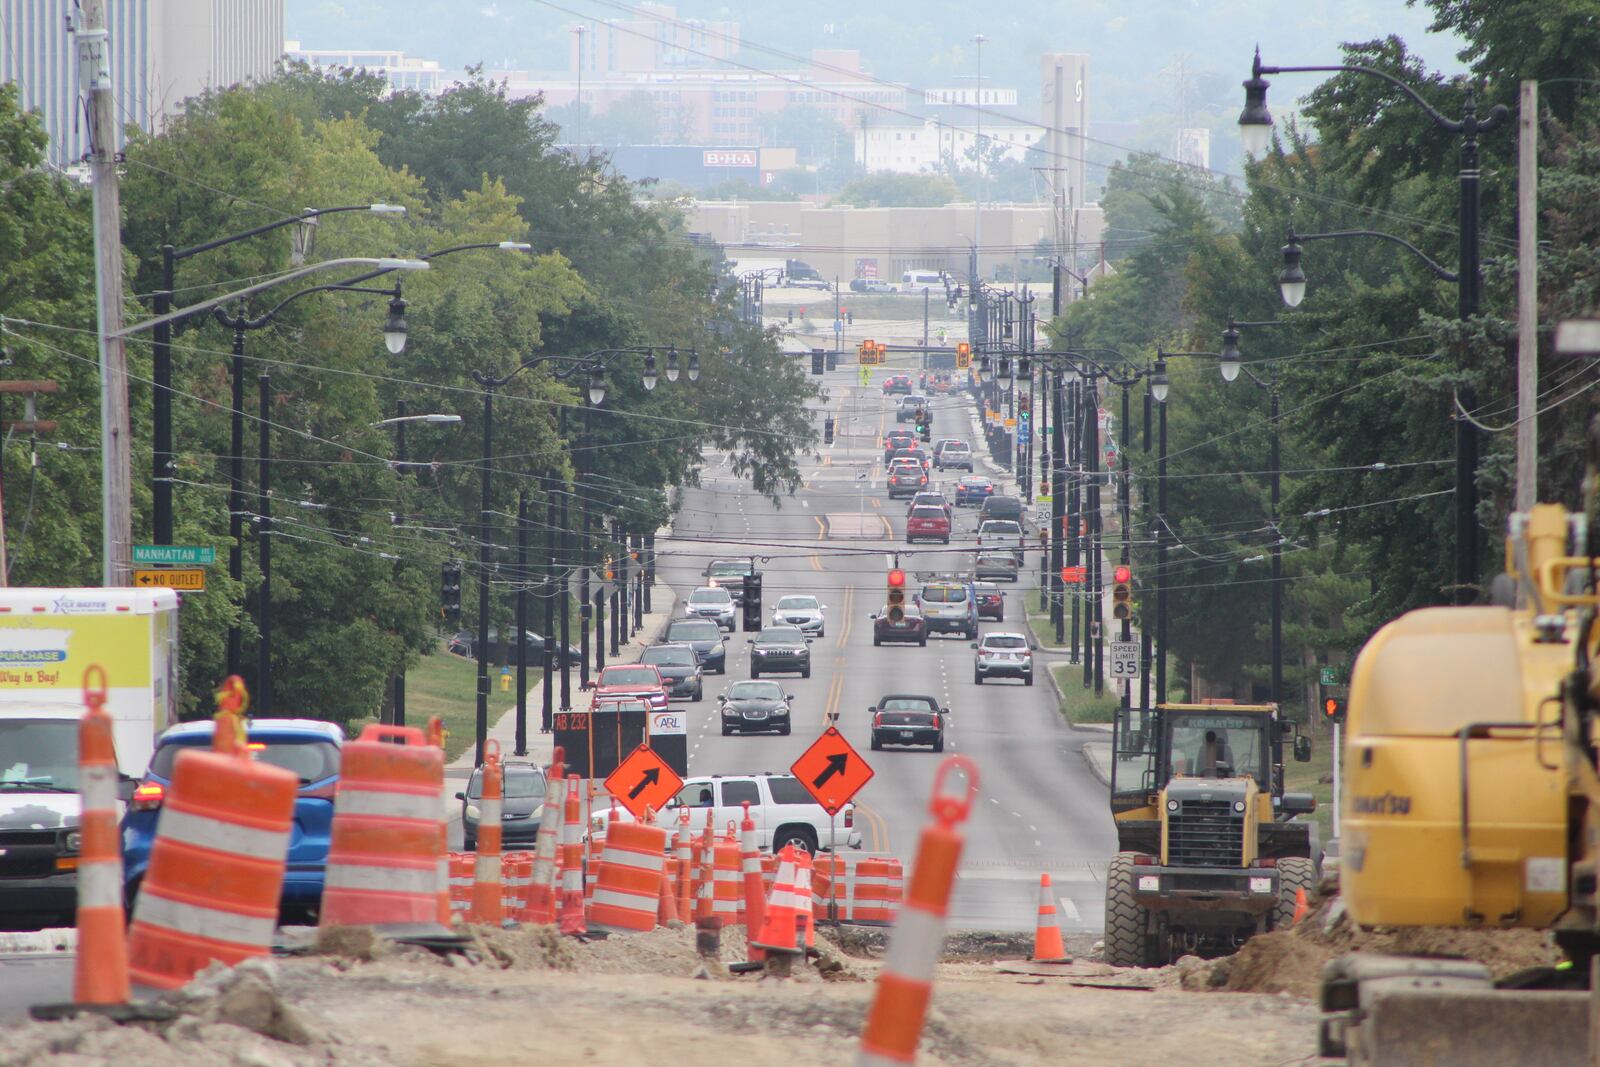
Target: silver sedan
column 801, row 611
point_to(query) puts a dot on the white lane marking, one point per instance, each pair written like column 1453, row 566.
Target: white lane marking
column 992, row 800
column 1069, row 909
column 1034, row 828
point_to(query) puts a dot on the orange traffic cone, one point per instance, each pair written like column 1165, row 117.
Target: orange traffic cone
column 1047, row 945
column 101, row 974
column 1301, row 906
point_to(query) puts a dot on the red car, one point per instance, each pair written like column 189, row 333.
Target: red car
column 897, row 383
column 906, row 479
column 928, row 522
column 911, row 628
column 991, row 602
column 631, row 681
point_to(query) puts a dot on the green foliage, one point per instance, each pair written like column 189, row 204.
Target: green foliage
column 899, row 190
column 1137, row 189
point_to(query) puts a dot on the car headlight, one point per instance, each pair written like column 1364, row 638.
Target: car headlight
column 73, row 841
column 1172, row 805
column 473, row 812
column 1238, row 806
column 729, row 712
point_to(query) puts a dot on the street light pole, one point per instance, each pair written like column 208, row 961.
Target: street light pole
column 261, row 699
column 481, row 722
column 522, row 625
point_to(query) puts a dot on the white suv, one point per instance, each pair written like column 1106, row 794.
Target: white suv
column 784, row 813
column 1003, row 655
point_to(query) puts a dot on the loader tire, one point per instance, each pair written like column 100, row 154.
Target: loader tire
column 1294, row 872
column 1127, row 936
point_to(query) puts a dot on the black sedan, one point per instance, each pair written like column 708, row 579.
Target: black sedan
column 779, row 649
column 705, row 637
column 465, row 643
column 679, row 668
column 748, row 706
column 908, row 719
column 520, row 812
column 910, row 628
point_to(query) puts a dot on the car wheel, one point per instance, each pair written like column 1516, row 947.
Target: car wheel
column 823, row 632
column 754, row 673
column 469, row 844
column 977, row 679
column 722, row 669
column 938, row 746
column 1000, row 617
column 1027, row 679
column 946, row 540
column 877, row 746
column 924, row 642
column 783, row 730
column 726, row 731
column 806, row 673
column 801, row 837
column 876, row 641
column 699, row 693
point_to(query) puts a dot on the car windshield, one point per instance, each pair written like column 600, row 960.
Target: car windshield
column 1217, row 746
column 927, row 511
column 780, row 635
column 986, row 589
column 695, row 630
column 669, row 657
column 521, row 781
column 709, row 596
column 798, row 603
column 628, row 676
column 728, row 570
column 957, row 446
column 39, row 753
column 1004, row 559
column 944, row 594
column 1001, row 526
column 310, row 760
column 755, row 691
column 908, row 704
column 1007, row 641
column 976, row 483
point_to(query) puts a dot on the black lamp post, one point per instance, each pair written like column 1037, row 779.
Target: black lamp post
column 1255, row 129
column 592, row 368
column 161, row 347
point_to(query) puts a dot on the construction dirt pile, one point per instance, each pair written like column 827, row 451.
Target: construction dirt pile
column 518, row 995
column 1290, row 961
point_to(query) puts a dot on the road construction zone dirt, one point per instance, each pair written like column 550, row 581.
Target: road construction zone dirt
column 521, row 996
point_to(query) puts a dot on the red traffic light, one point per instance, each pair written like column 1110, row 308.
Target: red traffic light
column 897, row 578
column 1122, row 574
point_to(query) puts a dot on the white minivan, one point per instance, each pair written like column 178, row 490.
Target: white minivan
column 914, row 281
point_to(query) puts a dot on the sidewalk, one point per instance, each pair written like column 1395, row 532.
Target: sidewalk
column 541, row 746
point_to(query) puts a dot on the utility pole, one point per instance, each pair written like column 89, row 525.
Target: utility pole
column 116, row 454
column 1527, row 471
column 262, row 698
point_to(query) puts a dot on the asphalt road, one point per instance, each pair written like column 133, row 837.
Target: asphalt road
column 1040, row 809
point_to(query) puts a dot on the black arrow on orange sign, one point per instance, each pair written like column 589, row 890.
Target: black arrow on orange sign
column 651, row 777
column 836, row 765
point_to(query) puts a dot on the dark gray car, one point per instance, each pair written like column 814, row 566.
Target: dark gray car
column 705, row 637
column 679, row 667
column 778, row 649
column 521, row 811
column 754, row 705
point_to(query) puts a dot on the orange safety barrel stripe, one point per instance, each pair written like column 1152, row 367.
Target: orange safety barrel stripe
column 100, row 971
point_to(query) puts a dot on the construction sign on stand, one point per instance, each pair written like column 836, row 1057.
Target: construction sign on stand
column 831, row 771
column 643, row 780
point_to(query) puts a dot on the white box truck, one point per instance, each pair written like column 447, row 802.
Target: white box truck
column 48, row 638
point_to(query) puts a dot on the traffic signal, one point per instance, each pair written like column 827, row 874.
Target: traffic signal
column 1122, row 593
column 450, row 591
column 827, row 430
column 963, row 355
column 849, row 317
column 1333, row 709
column 752, row 601
column 818, row 358
column 897, row 595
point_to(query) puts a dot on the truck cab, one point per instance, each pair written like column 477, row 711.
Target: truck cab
column 1209, row 848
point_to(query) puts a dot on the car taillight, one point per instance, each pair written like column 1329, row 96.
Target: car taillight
column 877, row 720
column 147, row 797
column 849, row 818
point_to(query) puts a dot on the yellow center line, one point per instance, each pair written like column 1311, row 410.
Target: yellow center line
column 831, row 705
column 848, row 614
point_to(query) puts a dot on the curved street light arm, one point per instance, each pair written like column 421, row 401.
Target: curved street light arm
column 511, row 246
column 204, row 306
column 1440, row 272
column 308, row 213
column 240, row 322
column 575, row 364
column 1469, row 124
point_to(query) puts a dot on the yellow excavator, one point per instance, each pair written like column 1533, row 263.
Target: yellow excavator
column 1471, row 800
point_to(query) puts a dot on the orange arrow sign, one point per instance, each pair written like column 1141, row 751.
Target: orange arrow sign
column 832, row 771
column 643, row 780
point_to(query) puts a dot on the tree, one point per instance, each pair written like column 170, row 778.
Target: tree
column 1134, row 188
column 899, row 190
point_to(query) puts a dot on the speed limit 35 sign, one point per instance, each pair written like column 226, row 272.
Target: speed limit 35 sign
column 1124, row 659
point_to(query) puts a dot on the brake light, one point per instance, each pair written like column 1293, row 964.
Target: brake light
column 877, row 720
column 1143, row 860
column 256, row 746
column 148, row 796
column 849, row 818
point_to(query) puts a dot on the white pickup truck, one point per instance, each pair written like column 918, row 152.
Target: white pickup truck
column 784, row 813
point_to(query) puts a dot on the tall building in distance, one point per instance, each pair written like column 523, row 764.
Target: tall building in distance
column 400, row 71
column 162, row 53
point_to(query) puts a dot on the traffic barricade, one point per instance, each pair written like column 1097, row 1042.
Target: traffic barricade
column 905, row 984
column 216, row 867
column 383, row 862
column 755, row 900
column 487, row 875
column 542, row 892
column 870, row 903
column 802, row 889
column 571, row 915
column 627, row 894
column 461, row 870
column 833, row 886
column 518, row 872
column 100, row 973
column 726, row 880
column 445, row 913
column 684, row 854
